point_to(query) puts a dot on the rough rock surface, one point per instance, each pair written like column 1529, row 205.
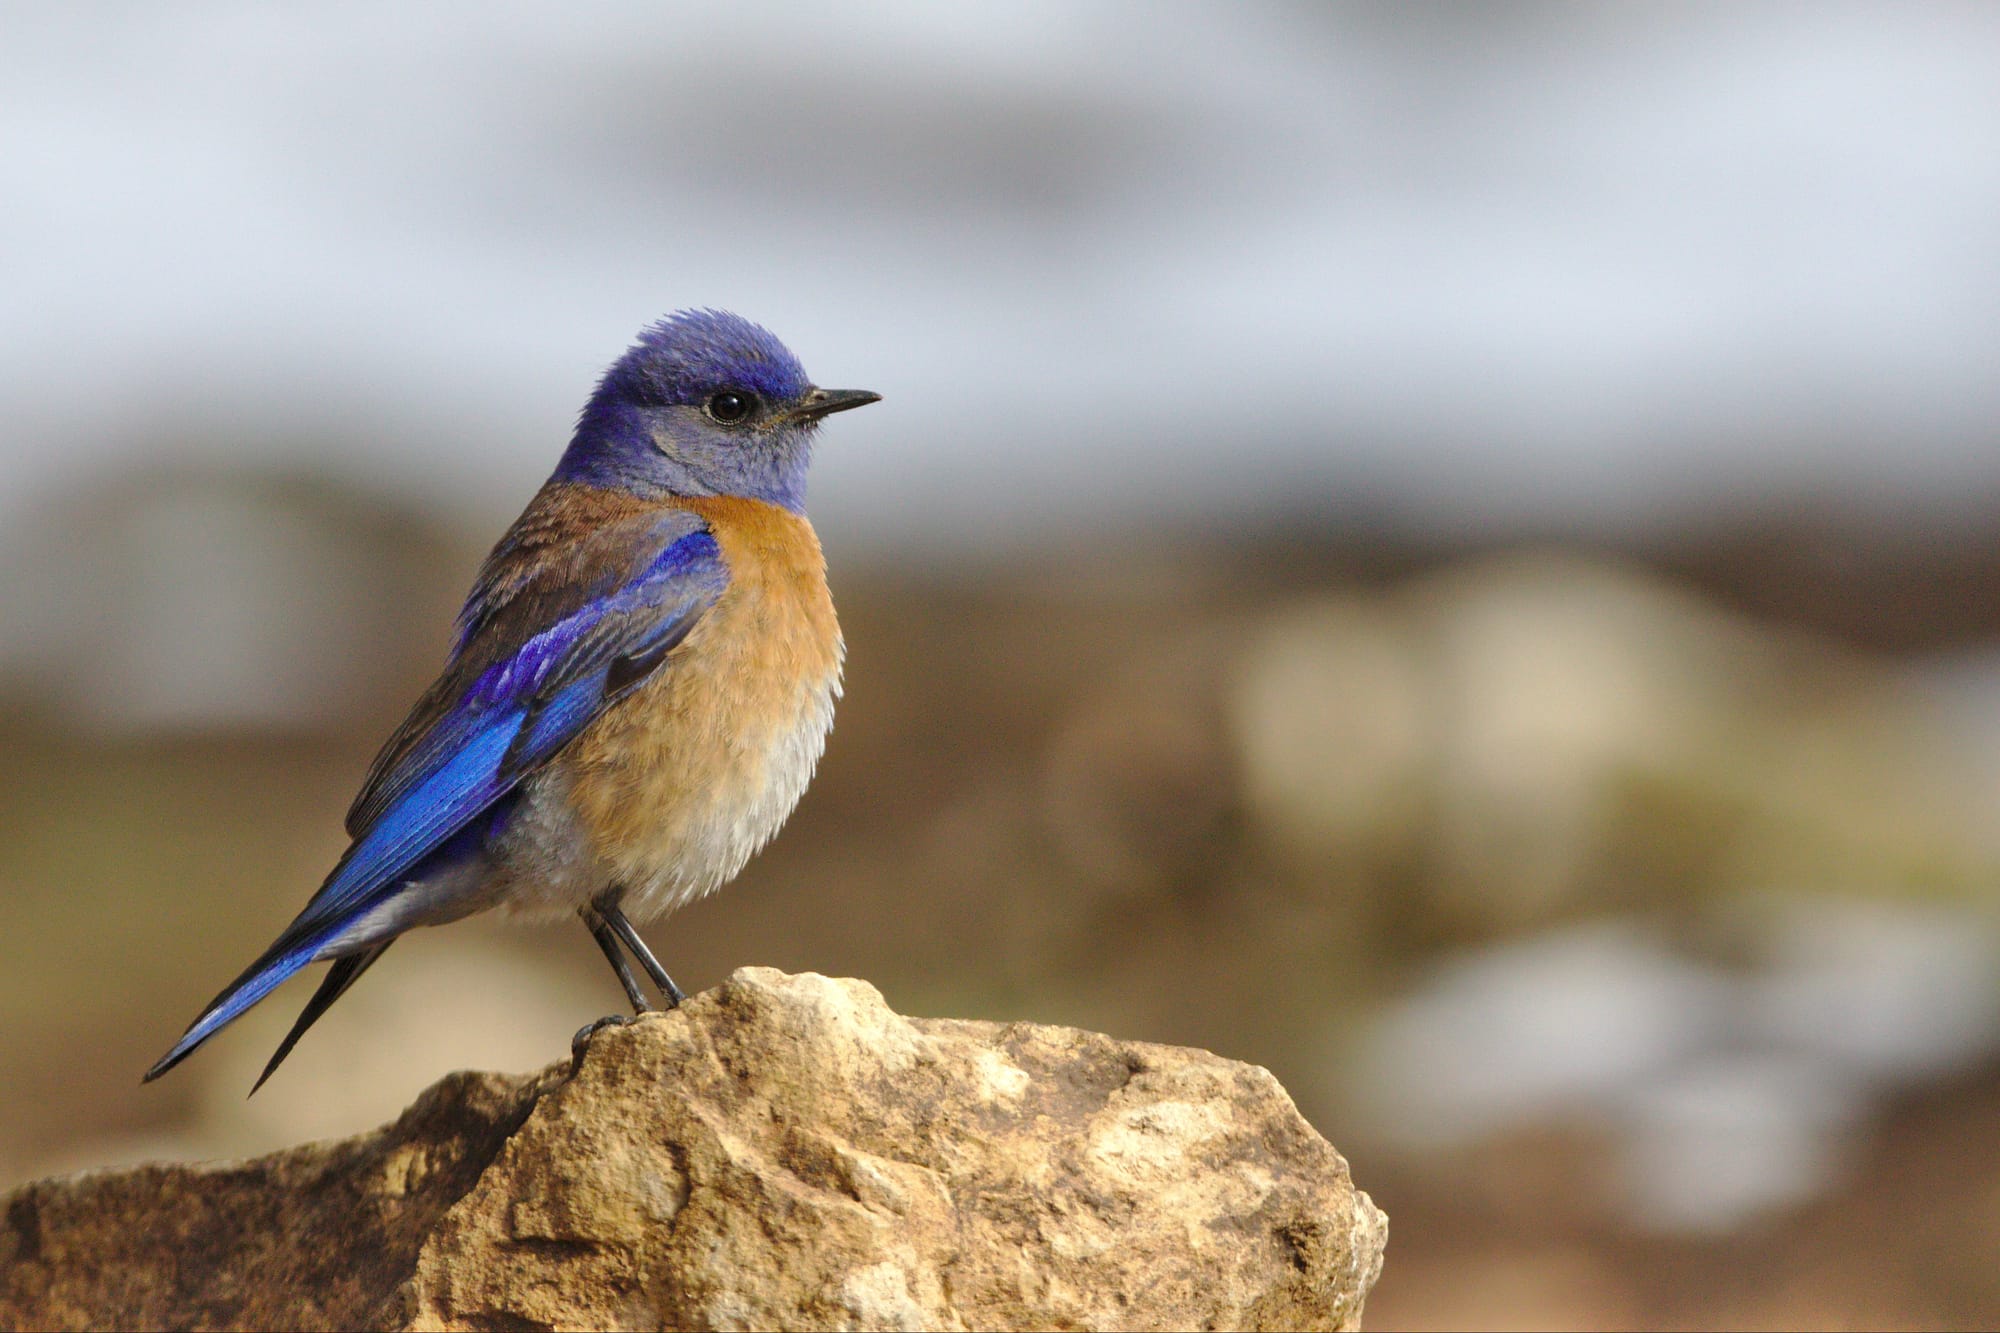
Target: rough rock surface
column 783, row 1151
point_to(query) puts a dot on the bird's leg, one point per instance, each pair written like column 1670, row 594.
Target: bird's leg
column 614, row 917
column 610, row 928
column 608, row 942
column 601, row 931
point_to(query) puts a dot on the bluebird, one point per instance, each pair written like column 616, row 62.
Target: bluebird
column 640, row 685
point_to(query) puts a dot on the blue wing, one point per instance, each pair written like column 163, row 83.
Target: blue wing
column 545, row 647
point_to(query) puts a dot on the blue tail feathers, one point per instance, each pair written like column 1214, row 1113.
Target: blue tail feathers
column 262, row 977
column 324, row 929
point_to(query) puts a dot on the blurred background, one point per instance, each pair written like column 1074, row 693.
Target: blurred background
column 1452, row 552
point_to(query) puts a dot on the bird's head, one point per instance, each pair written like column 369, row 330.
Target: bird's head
column 704, row 403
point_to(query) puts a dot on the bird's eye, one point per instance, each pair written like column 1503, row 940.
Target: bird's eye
column 729, row 407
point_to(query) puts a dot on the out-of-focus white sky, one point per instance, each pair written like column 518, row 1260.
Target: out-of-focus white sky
column 1482, row 266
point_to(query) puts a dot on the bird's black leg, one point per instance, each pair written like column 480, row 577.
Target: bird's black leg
column 601, row 931
column 628, row 934
column 610, row 928
column 608, row 942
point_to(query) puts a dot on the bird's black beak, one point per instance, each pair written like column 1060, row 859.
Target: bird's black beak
column 825, row 402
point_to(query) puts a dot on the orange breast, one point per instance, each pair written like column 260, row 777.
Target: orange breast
column 681, row 782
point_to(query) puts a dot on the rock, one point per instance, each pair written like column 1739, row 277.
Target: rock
column 783, row 1151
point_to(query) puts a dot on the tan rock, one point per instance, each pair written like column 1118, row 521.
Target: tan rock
column 781, row 1152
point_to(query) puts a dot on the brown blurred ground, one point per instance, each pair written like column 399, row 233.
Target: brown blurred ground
column 1043, row 800
column 1503, row 1241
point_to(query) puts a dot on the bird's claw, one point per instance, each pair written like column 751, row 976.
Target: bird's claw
column 580, row 1043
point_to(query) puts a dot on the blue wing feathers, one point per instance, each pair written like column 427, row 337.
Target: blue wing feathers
column 434, row 809
column 516, row 715
column 484, row 735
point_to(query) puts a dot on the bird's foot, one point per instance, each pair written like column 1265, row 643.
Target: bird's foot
column 580, row 1043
